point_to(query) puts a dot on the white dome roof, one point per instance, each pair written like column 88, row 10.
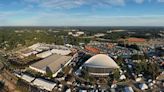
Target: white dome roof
column 101, row 61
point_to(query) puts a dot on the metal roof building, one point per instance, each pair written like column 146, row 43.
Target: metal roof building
column 61, row 51
column 50, row 64
column 44, row 54
column 27, row 78
column 44, row 84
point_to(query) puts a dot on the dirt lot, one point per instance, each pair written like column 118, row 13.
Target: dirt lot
column 8, row 82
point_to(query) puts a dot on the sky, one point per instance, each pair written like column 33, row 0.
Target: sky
column 81, row 12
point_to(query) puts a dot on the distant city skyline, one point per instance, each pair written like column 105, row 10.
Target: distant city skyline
column 82, row 13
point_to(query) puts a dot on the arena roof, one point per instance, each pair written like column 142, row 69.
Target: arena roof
column 101, row 61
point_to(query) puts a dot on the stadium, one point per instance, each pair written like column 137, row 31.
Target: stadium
column 100, row 65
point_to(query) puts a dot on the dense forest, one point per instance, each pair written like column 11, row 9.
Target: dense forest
column 12, row 37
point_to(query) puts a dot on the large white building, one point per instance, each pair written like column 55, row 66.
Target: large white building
column 51, row 64
column 100, row 65
column 44, row 54
column 76, row 33
column 44, row 84
column 61, row 51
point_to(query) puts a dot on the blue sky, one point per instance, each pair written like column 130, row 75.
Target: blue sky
column 81, row 12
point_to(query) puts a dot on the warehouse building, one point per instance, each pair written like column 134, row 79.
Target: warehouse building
column 51, row 64
column 44, row 84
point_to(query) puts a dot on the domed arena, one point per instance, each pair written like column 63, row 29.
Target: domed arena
column 100, row 65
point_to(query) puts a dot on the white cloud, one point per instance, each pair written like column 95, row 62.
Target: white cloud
column 68, row 4
column 160, row 1
column 59, row 18
column 139, row 1
column 74, row 3
column 113, row 2
column 62, row 3
column 106, row 21
column 64, row 19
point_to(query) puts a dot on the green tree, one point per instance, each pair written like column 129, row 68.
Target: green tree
column 153, row 69
column 116, row 74
column 138, row 68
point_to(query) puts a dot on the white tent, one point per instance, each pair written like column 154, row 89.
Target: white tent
column 128, row 89
column 143, row 86
column 122, row 77
column 113, row 86
column 138, row 79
